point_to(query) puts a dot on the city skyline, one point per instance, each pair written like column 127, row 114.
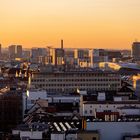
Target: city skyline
column 82, row 23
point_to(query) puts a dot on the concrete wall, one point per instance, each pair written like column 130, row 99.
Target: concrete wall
column 31, row 134
column 57, row 136
column 87, row 136
column 130, row 111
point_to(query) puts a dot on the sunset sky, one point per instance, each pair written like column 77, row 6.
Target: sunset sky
column 81, row 23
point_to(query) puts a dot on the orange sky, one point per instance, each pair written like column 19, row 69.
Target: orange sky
column 81, row 23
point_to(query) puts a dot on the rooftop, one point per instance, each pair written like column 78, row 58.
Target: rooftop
column 112, row 102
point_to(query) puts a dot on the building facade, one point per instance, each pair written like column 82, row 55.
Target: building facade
column 15, row 51
column 68, row 82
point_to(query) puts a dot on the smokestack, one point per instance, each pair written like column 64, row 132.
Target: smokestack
column 61, row 44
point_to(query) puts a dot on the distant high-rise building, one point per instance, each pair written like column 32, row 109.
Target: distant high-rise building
column 69, row 57
column 34, row 52
column 91, row 57
column 34, row 55
column 103, row 55
column 37, row 53
column 99, row 55
column 58, row 55
column 136, row 50
column 18, row 51
column 42, row 51
column 12, row 50
column 49, row 57
column 15, row 51
column 81, row 53
column 82, row 57
column 26, row 54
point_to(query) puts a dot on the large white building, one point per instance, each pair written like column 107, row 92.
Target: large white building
column 110, row 110
column 68, row 82
column 30, row 98
column 92, row 108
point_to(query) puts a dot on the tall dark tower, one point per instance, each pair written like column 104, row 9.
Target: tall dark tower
column 62, row 44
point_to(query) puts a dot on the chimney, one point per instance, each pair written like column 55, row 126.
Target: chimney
column 61, row 44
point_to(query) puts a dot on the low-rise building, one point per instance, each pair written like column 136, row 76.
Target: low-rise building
column 33, row 131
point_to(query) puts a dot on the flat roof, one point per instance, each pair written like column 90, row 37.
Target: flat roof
column 111, row 102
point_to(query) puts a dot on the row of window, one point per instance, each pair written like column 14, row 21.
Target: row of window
column 80, row 75
column 106, row 106
column 91, row 111
column 76, row 80
column 79, row 85
column 54, row 89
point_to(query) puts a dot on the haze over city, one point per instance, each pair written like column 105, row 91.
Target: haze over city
column 81, row 23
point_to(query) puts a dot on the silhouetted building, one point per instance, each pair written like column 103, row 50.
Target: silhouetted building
column 82, row 57
column 58, row 55
column 69, row 58
column 113, row 54
column 15, row 51
column 99, row 55
column 10, row 109
column 37, row 53
column 26, row 54
column 19, row 51
column 0, row 49
column 12, row 51
column 136, row 50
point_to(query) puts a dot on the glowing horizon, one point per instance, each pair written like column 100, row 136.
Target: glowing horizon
column 81, row 23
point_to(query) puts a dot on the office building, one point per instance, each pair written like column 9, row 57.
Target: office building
column 19, row 51
column 12, row 51
column 113, row 54
column 26, row 54
column 68, row 82
column 99, row 55
column 69, row 57
column 38, row 55
column 82, row 57
column 15, row 51
column 59, row 55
